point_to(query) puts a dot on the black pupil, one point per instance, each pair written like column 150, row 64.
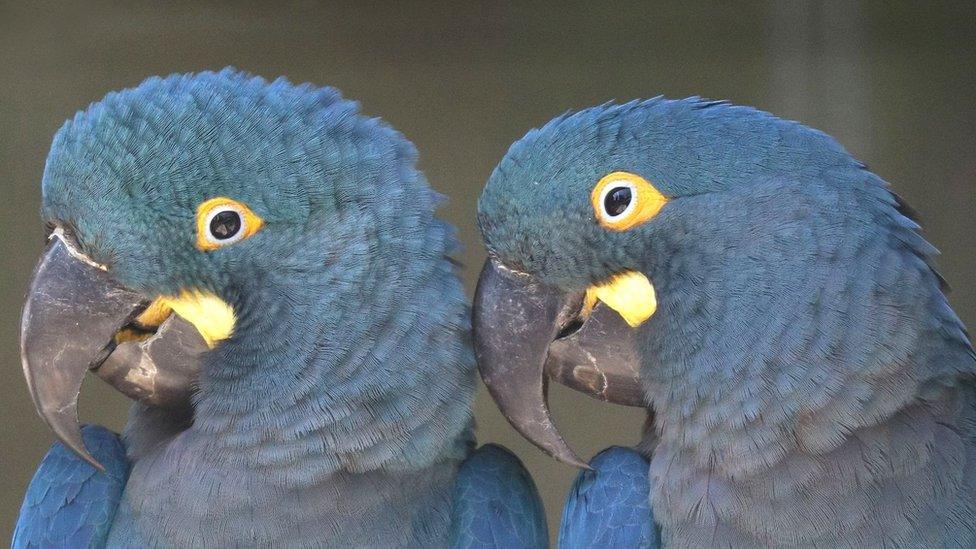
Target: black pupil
column 617, row 201
column 225, row 225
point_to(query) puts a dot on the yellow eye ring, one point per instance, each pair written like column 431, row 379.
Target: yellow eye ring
column 223, row 221
column 622, row 200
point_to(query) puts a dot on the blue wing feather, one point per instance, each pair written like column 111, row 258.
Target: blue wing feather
column 69, row 503
column 610, row 505
column 496, row 503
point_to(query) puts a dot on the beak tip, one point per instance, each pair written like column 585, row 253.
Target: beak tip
column 69, row 435
column 576, row 462
column 563, row 452
column 91, row 461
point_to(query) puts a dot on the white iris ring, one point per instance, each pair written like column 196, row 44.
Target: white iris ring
column 612, row 186
column 241, row 231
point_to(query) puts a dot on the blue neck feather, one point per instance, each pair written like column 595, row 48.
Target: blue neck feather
column 354, row 365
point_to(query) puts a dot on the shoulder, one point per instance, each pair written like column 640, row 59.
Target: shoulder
column 609, row 506
column 69, row 502
column 496, row 504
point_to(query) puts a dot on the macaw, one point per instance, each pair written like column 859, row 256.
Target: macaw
column 257, row 265
column 764, row 296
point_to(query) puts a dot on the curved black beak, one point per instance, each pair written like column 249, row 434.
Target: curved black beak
column 161, row 370
column 599, row 359
column 526, row 332
column 70, row 320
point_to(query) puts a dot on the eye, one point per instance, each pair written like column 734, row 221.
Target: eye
column 617, row 199
column 225, row 224
column 622, row 200
column 223, row 221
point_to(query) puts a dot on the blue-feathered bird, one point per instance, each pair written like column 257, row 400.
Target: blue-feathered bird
column 765, row 295
column 259, row 266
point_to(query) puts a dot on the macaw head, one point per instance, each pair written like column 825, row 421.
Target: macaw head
column 215, row 231
column 666, row 253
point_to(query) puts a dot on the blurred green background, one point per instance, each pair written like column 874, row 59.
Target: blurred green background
column 894, row 83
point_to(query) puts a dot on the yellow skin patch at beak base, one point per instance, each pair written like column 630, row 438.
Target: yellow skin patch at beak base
column 213, row 317
column 155, row 314
column 146, row 323
column 629, row 293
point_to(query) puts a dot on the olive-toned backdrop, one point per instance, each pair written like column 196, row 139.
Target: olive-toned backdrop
column 894, row 84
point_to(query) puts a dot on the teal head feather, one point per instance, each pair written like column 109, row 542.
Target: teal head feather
column 798, row 321
column 349, row 352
